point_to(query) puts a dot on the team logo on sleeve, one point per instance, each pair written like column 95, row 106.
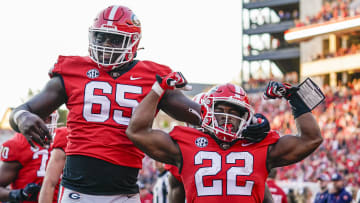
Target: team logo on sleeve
column 201, row 142
column 93, row 73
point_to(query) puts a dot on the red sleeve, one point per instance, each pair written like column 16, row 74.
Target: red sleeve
column 174, row 171
column 165, row 71
column 160, row 69
column 272, row 137
column 12, row 149
column 60, row 139
column 56, row 69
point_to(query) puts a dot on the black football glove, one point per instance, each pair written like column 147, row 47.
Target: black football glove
column 256, row 132
column 278, row 90
column 29, row 193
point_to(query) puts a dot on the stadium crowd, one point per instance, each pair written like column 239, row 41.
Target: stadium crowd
column 331, row 10
column 354, row 48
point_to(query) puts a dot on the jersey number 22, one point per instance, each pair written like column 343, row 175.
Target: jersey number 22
column 231, row 173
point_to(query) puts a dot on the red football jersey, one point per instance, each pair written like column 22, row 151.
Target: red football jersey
column 100, row 107
column 33, row 161
column 60, row 141
column 60, row 138
column 277, row 193
column 211, row 174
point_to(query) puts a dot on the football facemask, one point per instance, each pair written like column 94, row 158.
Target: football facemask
column 51, row 122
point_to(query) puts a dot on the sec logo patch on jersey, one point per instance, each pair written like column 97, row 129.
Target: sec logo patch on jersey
column 93, row 73
column 201, row 142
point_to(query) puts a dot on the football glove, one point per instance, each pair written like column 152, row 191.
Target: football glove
column 278, row 90
column 29, row 193
column 174, row 80
column 257, row 131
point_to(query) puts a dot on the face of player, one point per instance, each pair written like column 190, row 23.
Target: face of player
column 227, row 116
column 109, row 41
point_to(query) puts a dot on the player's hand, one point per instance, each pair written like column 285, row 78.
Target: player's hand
column 276, row 90
column 258, row 129
column 34, row 129
column 174, row 80
column 29, row 193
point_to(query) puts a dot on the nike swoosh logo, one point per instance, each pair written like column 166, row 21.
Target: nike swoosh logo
column 246, row 144
column 133, row 78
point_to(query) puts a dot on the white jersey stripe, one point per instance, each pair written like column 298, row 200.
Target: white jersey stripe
column 112, row 15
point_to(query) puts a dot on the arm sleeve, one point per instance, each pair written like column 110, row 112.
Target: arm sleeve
column 56, row 69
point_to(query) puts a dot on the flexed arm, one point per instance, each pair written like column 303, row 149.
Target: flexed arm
column 174, row 102
column 155, row 143
column 293, row 148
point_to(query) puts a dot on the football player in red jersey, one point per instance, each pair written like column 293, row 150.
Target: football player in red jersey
column 221, row 164
column 23, row 166
column 278, row 194
column 50, row 185
column 100, row 91
column 176, row 186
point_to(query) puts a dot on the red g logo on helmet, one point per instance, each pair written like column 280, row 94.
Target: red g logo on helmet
column 135, row 20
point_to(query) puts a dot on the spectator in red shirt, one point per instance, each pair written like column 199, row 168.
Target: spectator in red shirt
column 278, row 194
column 145, row 195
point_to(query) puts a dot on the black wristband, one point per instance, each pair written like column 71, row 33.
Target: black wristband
column 297, row 105
column 15, row 195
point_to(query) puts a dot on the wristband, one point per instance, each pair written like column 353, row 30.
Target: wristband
column 15, row 195
column 17, row 114
column 158, row 89
column 298, row 106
